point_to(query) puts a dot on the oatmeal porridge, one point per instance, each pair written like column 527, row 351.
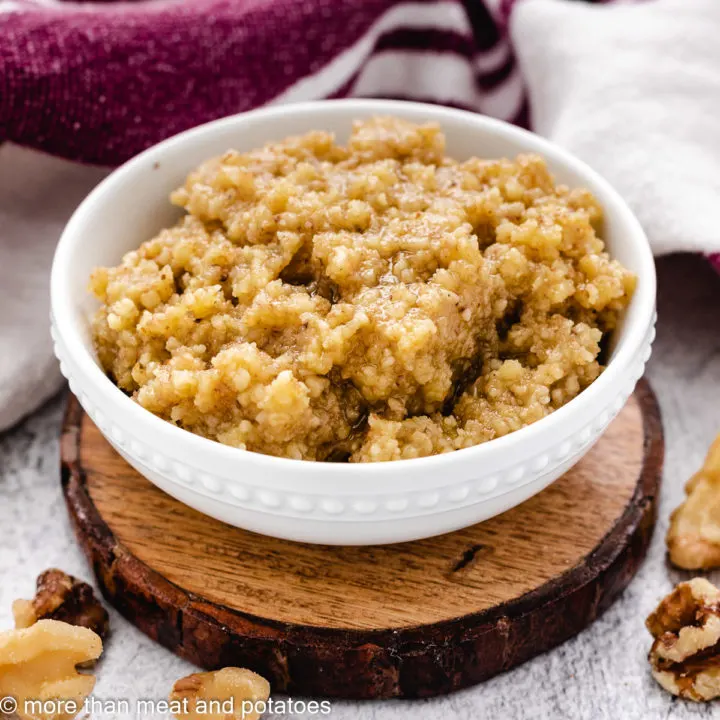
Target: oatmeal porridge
column 370, row 301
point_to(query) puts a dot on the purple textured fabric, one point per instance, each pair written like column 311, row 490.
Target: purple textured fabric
column 99, row 82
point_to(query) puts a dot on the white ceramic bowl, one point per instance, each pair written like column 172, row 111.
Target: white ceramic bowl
column 317, row 502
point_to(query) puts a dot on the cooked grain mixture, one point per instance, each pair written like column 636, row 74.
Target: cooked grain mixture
column 372, row 301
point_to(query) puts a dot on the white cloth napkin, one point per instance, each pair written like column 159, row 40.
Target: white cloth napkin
column 37, row 196
column 632, row 89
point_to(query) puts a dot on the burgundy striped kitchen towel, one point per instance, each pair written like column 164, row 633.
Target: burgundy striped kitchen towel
column 100, row 81
column 632, row 87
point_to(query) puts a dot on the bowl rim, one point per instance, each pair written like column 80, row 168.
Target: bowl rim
column 629, row 343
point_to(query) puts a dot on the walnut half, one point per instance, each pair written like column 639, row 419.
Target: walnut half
column 685, row 657
column 60, row 596
column 227, row 694
column 38, row 668
column 693, row 539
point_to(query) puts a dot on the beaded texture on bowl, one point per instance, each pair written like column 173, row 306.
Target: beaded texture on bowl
column 233, row 492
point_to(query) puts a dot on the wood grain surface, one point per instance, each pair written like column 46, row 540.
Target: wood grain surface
column 408, row 620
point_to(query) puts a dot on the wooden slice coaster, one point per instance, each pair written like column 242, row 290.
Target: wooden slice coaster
column 410, row 620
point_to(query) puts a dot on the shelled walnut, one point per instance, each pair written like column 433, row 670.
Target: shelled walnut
column 38, row 668
column 60, row 596
column 693, row 539
column 227, row 694
column 685, row 657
